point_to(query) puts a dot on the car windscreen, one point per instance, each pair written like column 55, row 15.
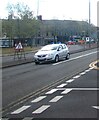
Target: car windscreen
column 48, row 48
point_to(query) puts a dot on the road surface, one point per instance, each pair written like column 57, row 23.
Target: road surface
column 67, row 89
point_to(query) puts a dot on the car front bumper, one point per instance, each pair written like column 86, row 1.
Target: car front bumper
column 43, row 59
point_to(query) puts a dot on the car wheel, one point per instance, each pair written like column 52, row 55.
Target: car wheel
column 67, row 56
column 36, row 63
column 56, row 58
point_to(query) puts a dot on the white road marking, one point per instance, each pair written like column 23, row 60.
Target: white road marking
column 38, row 99
column 94, row 65
column 82, row 73
column 51, row 91
column 77, row 76
column 91, row 68
column 71, row 80
column 85, row 88
column 75, row 58
column 87, row 70
column 20, row 110
column 66, row 91
column 60, row 62
column 41, row 109
column 62, row 85
column 55, row 99
column 28, row 118
column 96, row 107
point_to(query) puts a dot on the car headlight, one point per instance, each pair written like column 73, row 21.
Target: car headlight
column 49, row 55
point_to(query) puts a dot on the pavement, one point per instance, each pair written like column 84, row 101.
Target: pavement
column 10, row 60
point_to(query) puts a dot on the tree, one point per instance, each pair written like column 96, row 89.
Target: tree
column 19, row 11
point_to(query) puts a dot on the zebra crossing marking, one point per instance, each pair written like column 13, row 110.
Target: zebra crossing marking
column 51, row 91
column 82, row 73
column 77, row 76
column 66, row 91
column 41, row 109
column 55, row 99
column 69, row 81
column 20, row 109
column 62, row 85
column 38, row 99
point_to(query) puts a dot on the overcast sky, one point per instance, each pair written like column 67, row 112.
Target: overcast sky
column 57, row 9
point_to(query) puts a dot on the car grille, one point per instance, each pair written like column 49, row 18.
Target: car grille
column 41, row 56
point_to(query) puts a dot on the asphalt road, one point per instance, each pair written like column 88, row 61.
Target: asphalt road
column 21, row 84
column 67, row 100
column 8, row 60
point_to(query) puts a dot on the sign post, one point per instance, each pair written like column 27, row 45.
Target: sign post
column 19, row 51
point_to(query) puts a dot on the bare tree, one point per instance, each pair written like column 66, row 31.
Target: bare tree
column 19, row 11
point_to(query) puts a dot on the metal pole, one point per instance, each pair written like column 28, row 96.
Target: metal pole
column 89, row 26
column 89, row 11
column 37, row 8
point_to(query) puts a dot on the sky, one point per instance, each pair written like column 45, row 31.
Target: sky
column 57, row 9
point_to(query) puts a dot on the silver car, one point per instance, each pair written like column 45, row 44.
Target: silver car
column 52, row 52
